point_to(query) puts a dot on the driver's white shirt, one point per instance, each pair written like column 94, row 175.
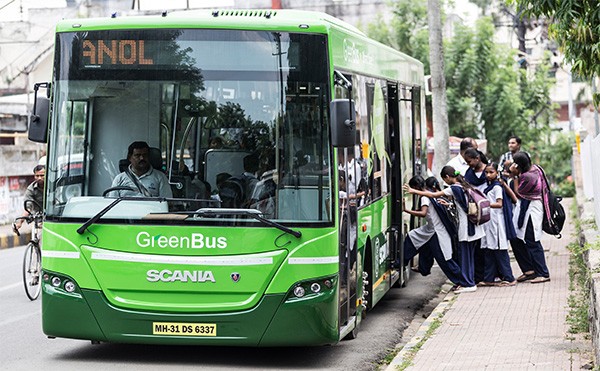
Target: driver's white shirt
column 155, row 182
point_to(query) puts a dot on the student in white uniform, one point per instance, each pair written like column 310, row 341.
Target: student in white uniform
column 497, row 232
column 432, row 240
column 529, row 185
column 475, row 176
column 469, row 235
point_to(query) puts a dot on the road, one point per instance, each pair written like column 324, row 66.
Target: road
column 23, row 346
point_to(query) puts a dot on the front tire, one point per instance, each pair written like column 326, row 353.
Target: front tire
column 32, row 267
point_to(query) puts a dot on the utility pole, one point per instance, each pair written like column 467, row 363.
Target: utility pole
column 441, row 131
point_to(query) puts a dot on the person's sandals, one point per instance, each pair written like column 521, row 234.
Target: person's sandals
column 540, row 279
column 483, row 283
column 507, row 283
column 526, row 277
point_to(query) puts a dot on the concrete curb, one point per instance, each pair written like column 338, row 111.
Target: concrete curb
column 8, row 241
column 411, row 348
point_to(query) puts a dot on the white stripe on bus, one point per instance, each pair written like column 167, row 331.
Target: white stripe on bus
column 264, row 259
column 46, row 230
column 321, row 260
column 60, row 254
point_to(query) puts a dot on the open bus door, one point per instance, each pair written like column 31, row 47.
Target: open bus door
column 343, row 132
column 348, row 250
column 395, row 237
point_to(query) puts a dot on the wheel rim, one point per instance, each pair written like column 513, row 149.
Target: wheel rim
column 31, row 272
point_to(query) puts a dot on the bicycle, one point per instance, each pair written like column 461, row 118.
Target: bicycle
column 32, row 260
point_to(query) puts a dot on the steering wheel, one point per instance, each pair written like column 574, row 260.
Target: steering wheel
column 118, row 188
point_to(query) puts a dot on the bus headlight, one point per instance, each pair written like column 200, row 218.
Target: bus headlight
column 69, row 286
column 312, row 288
column 299, row 291
column 56, row 281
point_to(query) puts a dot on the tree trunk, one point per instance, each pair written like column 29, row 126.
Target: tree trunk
column 438, row 88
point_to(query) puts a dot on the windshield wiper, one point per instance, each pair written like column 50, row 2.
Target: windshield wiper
column 253, row 213
column 101, row 213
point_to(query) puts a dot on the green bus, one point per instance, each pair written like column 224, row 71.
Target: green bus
column 285, row 137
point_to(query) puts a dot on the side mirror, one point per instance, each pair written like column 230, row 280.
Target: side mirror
column 343, row 123
column 38, row 121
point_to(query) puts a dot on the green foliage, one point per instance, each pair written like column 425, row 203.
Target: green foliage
column 488, row 96
column 407, row 30
column 576, row 27
column 554, row 155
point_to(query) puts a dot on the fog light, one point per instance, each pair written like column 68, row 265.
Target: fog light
column 55, row 281
column 299, row 291
column 328, row 283
column 315, row 287
column 69, row 286
column 46, row 277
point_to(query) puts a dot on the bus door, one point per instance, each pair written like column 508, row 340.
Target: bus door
column 395, row 155
column 350, row 175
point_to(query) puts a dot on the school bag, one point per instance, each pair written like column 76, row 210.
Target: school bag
column 554, row 213
column 479, row 210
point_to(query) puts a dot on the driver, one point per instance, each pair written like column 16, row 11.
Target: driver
column 140, row 176
column 34, row 192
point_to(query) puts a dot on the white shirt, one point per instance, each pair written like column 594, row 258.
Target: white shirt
column 420, row 236
column 536, row 213
column 495, row 230
column 153, row 180
column 483, row 185
column 444, row 238
column 459, row 163
column 463, row 230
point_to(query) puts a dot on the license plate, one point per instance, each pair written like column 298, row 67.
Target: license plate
column 185, row 329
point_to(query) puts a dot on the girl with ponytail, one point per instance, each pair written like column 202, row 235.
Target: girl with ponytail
column 498, row 231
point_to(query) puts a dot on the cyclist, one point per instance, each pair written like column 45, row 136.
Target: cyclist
column 35, row 191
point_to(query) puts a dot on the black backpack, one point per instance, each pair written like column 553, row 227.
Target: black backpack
column 554, row 213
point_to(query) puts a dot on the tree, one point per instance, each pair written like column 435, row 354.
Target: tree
column 407, row 31
column 576, row 27
column 438, row 87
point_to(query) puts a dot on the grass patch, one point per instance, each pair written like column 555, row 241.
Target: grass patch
column 410, row 355
column 579, row 281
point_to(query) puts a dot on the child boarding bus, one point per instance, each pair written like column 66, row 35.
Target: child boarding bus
column 285, row 138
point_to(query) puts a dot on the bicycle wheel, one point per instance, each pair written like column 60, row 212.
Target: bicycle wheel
column 32, row 269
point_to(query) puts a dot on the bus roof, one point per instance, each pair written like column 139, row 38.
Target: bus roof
column 351, row 49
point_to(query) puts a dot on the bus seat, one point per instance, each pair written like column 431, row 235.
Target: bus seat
column 155, row 158
column 123, row 163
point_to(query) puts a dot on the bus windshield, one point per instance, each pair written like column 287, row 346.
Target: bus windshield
column 233, row 120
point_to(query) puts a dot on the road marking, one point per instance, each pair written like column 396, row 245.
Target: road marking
column 12, row 286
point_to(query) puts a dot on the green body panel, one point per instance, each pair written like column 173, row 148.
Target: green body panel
column 120, row 261
column 272, row 322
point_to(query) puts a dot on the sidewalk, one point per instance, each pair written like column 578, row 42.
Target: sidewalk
column 8, row 239
column 504, row 328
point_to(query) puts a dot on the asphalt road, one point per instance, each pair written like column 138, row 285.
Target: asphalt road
column 23, row 346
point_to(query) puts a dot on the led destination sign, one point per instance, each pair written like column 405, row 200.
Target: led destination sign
column 96, row 53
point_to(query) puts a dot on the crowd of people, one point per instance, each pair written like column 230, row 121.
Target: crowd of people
column 472, row 254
